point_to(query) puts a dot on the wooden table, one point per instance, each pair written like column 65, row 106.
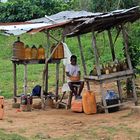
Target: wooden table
column 27, row 62
column 117, row 76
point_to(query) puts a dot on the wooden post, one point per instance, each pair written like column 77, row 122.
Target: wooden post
column 103, row 97
column 125, row 37
column 113, row 58
column 119, row 89
column 25, row 78
column 15, row 81
column 83, row 60
column 48, row 43
column 96, row 54
column 134, row 92
column 111, row 45
column 46, row 76
column 57, row 80
column 63, row 39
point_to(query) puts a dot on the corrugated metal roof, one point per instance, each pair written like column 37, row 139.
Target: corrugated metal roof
column 75, row 23
column 107, row 21
column 65, row 15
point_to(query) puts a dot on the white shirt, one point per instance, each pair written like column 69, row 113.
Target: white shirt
column 72, row 70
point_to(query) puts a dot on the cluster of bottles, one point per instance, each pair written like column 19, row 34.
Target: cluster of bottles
column 113, row 67
column 21, row 51
column 58, row 53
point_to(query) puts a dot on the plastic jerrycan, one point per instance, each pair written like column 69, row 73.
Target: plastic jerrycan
column 1, row 107
column 18, row 49
column 34, row 52
column 41, row 52
column 89, row 102
column 60, row 51
column 27, row 52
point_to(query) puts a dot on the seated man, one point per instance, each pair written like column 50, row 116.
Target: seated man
column 73, row 76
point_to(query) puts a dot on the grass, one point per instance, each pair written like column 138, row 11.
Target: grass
column 5, row 136
column 35, row 71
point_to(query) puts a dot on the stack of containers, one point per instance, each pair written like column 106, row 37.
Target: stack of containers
column 22, row 52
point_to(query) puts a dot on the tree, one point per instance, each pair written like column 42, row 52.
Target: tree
column 21, row 10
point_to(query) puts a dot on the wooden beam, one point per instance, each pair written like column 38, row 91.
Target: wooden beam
column 57, row 81
column 83, row 60
column 63, row 39
column 134, row 92
column 103, row 97
column 111, row 45
column 25, row 79
column 125, row 38
column 15, row 79
column 48, row 43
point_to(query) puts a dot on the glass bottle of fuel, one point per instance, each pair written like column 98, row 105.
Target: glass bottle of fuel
column 34, row 52
column 27, row 52
column 41, row 52
column 18, row 49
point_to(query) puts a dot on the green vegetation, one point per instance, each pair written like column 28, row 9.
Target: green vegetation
column 4, row 136
column 35, row 71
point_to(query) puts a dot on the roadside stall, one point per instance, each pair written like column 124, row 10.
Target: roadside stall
column 76, row 26
column 107, row 22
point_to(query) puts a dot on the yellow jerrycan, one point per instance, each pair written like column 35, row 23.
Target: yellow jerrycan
column 18, row 49
column 27, row 52
column 89, row 102
column 1, row 107
column 41, row 52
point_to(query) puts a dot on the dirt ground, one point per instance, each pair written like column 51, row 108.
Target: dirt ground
column 65, row 124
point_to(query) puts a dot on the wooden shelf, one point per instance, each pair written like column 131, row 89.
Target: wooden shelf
column 112, row 76
column 34, row 61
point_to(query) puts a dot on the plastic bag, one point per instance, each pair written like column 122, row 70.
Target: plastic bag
column 111, row 95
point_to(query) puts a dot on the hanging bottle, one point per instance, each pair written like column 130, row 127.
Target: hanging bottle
column 60, row 51
column 18, row 49
column 125, row 65
column 114, row 69
column 27, row 52
column 34, row 52
column 89, row 102
column 106, row 69
column 41, row 52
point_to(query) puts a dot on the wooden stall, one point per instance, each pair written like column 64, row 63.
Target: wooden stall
column 107, row 22
column 95, row 24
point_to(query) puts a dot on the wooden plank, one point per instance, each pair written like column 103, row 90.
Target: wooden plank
column 119, row 104
column 35, row 61
column 83, row 61
column 111, row 75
